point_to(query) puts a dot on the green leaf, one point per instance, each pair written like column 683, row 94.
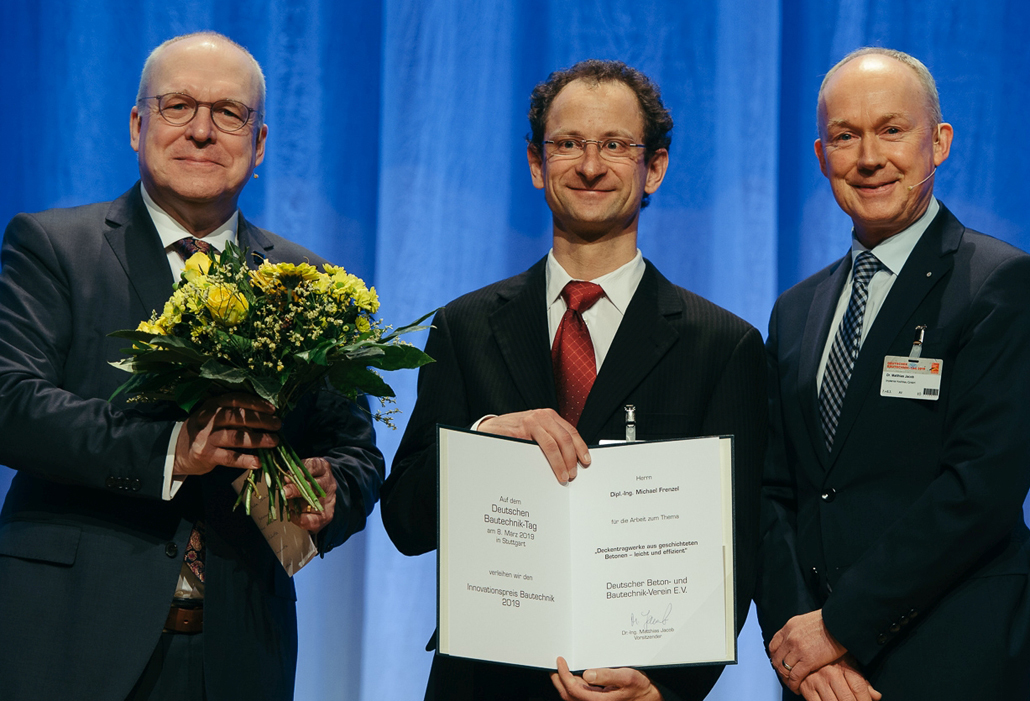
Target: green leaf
column 269, row 386
column 189, row 393
column 347, row 378
column 214, row 370
column 400, row 357
column 412, row 327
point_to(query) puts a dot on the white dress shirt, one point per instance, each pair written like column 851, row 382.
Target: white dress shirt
column 604, row 317
column 171, row 231
column 892, row 253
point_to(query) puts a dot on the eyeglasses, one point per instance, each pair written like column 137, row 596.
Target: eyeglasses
column 179, row 109
column 572, row 147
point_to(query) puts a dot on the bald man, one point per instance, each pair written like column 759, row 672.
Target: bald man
column 895, row 556
column 124, row 571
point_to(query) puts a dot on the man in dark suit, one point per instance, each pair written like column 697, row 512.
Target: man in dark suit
column 895, row 557
column 598, row 149
column 109, row 499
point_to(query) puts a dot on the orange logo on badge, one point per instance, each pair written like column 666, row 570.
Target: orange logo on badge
column 935, row 369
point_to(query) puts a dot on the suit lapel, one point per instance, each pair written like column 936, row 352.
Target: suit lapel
column 132, row 237
column 252, row 239
column 644, row 336
column 520, row 328
column 926, row 267
column 817, row 330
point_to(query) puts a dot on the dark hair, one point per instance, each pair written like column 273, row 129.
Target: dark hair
column 657, row 120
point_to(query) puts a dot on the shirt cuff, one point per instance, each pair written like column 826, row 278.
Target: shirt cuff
column 172, row 482
column 475, row 426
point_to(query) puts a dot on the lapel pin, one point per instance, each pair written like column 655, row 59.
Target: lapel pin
column 928, row 274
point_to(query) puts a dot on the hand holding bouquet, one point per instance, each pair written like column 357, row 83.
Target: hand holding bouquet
column 279, row 332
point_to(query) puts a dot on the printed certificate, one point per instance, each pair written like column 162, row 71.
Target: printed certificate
column 628, row 565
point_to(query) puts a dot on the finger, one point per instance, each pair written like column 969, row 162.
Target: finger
column 241, row 400
column 561, row 458
column 556, row 680
column 775, row 643
column 242, row 439
column 842, row 690
column 233, row 458
column 858, row 685
column 619, row 678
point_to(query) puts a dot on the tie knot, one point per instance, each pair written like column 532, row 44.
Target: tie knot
column 580, row 296
column 188, row 246
column 866, row 265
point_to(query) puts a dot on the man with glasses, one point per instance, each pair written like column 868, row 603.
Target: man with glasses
column 555, row 354
column 124, row 571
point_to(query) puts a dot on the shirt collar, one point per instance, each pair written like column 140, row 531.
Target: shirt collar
column 894, row 251
column 619, row 285
column 171, row 231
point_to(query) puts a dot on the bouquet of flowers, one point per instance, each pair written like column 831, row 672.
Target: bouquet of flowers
column 278, row 331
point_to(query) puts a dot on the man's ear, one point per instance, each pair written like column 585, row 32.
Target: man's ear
column 536, row 165
column 135, row 126
column 656, row 168
column 821, row 155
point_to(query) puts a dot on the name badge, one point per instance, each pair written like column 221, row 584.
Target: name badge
column 911, row 378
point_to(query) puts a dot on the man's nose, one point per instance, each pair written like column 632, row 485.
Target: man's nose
column 591, row 164
column 870, row 154
column 201, row 128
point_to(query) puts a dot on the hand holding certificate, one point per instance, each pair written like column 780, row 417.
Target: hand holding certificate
column 631, row 564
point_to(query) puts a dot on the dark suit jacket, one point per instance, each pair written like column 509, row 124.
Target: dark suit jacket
column 690, row 367
column 918, row 508
column 89, row 553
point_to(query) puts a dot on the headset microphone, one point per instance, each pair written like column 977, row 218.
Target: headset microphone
column 913, row 187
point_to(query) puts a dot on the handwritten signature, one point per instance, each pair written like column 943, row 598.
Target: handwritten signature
column 649, row 620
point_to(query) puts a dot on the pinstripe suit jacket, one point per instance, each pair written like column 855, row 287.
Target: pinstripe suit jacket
column 690, row 367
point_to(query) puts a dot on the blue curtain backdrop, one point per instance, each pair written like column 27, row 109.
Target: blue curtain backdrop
column 396, row 149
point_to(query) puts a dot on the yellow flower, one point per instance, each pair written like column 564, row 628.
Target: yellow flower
column 288, row 275
column 197, row 266
column 362, row 324
column 226, row 303
column 156, row 327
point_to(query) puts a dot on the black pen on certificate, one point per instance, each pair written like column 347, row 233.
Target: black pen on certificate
column 917, row 342
column 631, row 423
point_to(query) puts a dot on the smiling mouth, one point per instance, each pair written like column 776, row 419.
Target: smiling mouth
column 873, row 187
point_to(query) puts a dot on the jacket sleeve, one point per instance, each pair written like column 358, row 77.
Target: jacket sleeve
column 409, row 505
column 45, row 429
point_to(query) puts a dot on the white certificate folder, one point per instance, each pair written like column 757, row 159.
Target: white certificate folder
column 628, row 565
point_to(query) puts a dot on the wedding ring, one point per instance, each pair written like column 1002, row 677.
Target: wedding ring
column 786, row 666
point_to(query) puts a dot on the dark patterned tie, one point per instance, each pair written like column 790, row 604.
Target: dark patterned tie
column 195, row 551
column 188, row 246
column 195, row 548
column 845, row 346
column 572, row 354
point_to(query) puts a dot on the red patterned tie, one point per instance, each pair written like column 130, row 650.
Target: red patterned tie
column 195, row 548
column 572, row 354
column 188, row 246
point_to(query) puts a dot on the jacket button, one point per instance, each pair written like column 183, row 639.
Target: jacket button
column 829, row 495
column 881, row 639
column 135, row 484
column 171, row 549
column 895, row 628
column 903, row 620
column 111, row 482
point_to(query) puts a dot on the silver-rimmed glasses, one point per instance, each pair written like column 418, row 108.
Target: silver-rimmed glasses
column 179, row 109
column 573, row 147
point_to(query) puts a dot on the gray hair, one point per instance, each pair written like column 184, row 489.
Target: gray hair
column 148, row 66
column 933, row 100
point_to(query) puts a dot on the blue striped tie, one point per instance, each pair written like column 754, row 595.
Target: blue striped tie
column 845, row 346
